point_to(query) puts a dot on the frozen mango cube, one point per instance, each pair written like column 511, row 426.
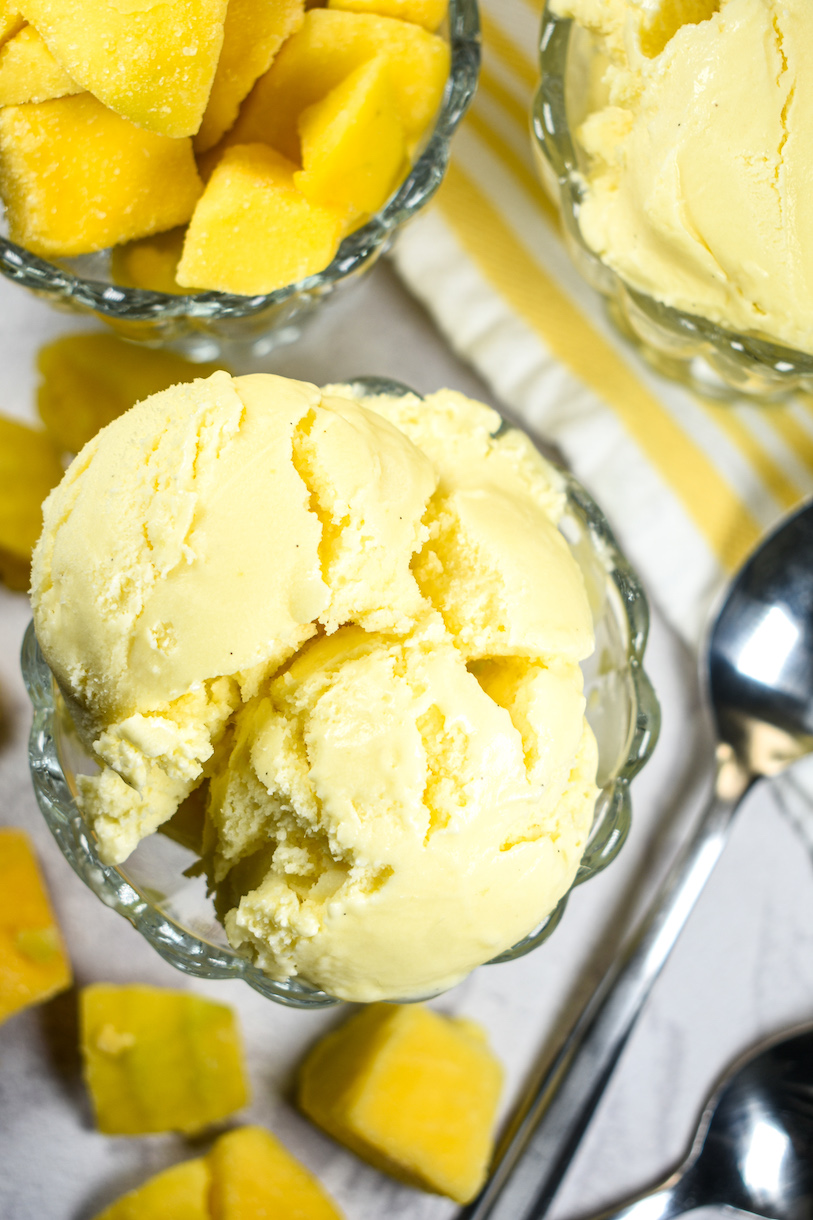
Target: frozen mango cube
column 33, row 963
column 353, row 147
column 410, row 1091
column 10, row 20
column 29, row 467
column 253, row 230
column 29, row 72
column 159, row 1060
column 76, row 178
column 328, row 47
column 179, row 1193
column 151, row 61
column 89, row 379
column 149, row 262
column 253, row 33
column 253, row 1176
column 428, row 13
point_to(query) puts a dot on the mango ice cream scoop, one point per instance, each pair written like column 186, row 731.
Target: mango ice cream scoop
column 347, row 627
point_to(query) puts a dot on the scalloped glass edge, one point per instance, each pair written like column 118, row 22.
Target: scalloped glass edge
column 193, row 956
column 685, row 347
column 356, row 251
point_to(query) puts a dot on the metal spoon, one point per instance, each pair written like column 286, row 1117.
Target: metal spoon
column 754, row 1146
column 759, row 673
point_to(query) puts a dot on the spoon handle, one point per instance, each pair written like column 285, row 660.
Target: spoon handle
column 554, row 1114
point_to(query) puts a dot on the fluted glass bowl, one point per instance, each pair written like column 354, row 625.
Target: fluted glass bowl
column 685, row 347
column 173, row 911
column 204, row 324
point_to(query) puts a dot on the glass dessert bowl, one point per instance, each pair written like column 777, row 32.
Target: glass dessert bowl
column 160, row 888
column 685, row 347
column 203, row 324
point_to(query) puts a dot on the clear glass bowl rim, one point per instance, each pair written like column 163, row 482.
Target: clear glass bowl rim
column 783, row 368
column 197, row 957
column 134, row 305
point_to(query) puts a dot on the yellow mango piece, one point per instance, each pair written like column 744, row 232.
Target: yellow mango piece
column 253, row 33
column 89, row 379
column 328, row 47
column 150, row 262
column 151, row 61
column 410, row 1091
column 29, row 72
column 253, row 1176
column 76, row 178
column 159, row 1060
column 428, row 13
column 29, row 467
column 253, row 230
column 353, row 147
column 179, row 1193
column 33, row 963
column 10, row 20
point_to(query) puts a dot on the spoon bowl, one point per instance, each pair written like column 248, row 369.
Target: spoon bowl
column 754, row 1145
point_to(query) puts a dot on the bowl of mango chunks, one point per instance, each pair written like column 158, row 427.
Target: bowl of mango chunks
column 205, row 175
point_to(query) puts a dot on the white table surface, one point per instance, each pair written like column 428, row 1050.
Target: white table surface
column 742, row 970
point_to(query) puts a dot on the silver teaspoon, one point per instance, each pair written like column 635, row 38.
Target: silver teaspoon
column 759, row 676
column 754, row 1146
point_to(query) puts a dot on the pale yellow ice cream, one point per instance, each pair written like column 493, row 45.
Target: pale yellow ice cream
column 356, row 629
column 701, row 157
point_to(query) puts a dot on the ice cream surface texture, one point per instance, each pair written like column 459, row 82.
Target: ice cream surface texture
column 351, row 627
column 700, row 157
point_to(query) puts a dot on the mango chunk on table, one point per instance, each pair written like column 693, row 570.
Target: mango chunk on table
column 247, row 1175
column 159, row 1060
column 253, row 231
column 328, row 47
column 254, row 1176
column 11, row 20
column 428, row 13
column 33, row 962
column 179, row 1193
column 29, row 72
column 412, row 1092
column 253, row 33
column 353, row 147
column 77, row 178
column 151, row 61
column 29, row 467
column 89, row 379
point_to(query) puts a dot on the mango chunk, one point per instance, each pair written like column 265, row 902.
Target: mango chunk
column 328, row 47
column 353, row 147
column 76, row 178
column 29, row 467
column 410, row 1091
column 10, row 20
column 253, row 33
column 253, row 230
column 151, row 61
column 179, row 1193
column 89, row 379
column 253, row 1176
column 150, row 262
column 158, row 1060
column 29, row 72
column 33, row 963
column 428, row 13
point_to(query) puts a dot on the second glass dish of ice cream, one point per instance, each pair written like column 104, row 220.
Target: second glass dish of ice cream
column 319, row 690
column 691, row 211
